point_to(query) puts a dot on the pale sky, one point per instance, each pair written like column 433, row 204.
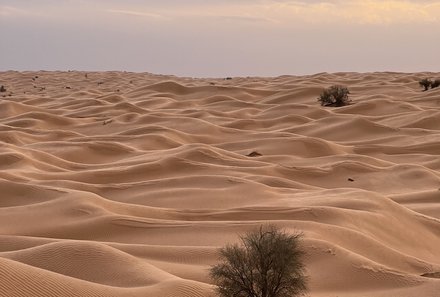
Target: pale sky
column 220, row 38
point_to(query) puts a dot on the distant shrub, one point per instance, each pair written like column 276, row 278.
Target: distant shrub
column 426, row 83
column 2, row 89
column 435, row 84
column 334, row 96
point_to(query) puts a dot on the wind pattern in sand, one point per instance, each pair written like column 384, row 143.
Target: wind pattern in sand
column 123, row 184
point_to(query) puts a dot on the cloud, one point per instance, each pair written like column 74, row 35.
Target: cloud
column 365, row 12
column 10, row 11
column 137, row 13
column 246, row 19
column 373, row 12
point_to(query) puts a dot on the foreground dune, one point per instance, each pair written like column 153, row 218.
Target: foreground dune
column 123, row 184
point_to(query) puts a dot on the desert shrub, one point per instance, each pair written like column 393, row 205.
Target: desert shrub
column 268, row 263
column 426, row 83
column 334, row 96
column 2, row 89
column 435, row 83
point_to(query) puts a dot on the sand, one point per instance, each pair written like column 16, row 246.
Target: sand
column 125, row 184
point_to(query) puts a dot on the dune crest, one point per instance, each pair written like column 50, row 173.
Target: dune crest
column 125, row 184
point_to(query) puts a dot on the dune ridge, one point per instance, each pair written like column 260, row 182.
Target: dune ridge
column 125, row 184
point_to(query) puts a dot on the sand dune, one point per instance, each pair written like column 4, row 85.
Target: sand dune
column 125, row 184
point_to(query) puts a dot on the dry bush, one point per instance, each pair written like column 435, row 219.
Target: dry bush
column 435, row 84
column 334, row 96
column 268, row 263
column 426, row 83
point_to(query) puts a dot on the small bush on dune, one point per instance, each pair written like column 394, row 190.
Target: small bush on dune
column 435, row 84
column 267, row 264
column 426, row 83
column 334, row 96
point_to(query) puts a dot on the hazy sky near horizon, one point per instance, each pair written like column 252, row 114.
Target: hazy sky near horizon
column 220, row 38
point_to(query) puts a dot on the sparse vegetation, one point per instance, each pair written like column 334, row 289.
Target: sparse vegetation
column 267, row 264
column 426, row 83
column 2, row 89
column 334, row 96
column 435, row 84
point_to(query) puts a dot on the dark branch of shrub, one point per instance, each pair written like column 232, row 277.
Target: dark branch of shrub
column 334, row 96
column 426, row 83
column 268, row 263
column 435, row 84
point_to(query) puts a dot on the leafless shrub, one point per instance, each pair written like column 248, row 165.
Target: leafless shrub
column 268, row 263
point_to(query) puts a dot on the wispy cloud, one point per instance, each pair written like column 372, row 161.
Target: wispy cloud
column 137, row 13
column 373, row 12
column 246, row 18
column 11, row 11
column 365, row 12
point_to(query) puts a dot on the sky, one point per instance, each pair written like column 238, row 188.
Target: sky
column 207, row 38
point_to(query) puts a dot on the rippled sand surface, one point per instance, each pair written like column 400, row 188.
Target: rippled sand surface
column 124, row 184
